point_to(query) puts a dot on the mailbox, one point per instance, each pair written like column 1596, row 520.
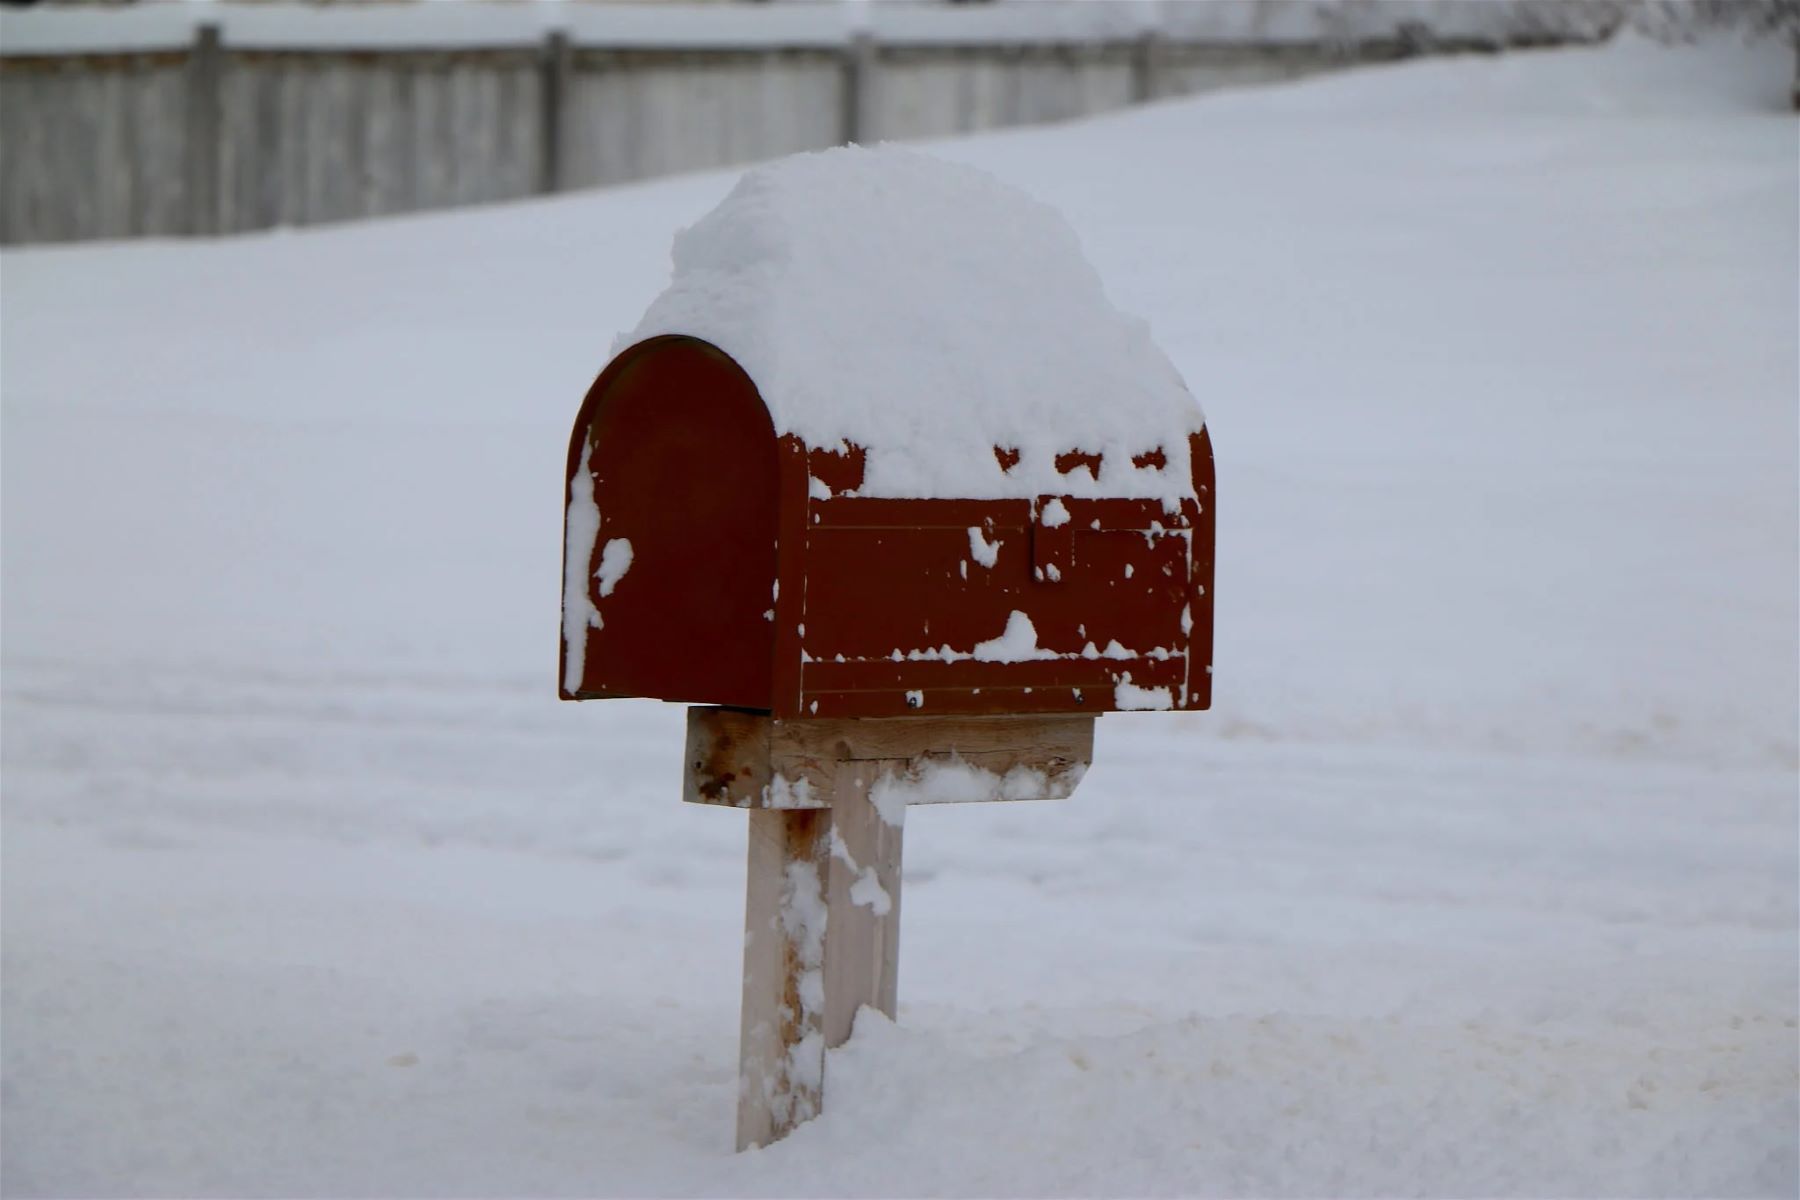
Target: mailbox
column 711, row 559
column 886, row 488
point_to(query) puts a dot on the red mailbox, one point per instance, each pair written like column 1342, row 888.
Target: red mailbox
column 711, row 560
column 886, row 488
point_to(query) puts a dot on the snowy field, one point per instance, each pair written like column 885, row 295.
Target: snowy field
column 1479, row 879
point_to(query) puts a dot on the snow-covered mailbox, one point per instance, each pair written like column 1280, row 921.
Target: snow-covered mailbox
column 885, row 481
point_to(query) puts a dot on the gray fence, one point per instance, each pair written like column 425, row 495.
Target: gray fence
column 206, row 136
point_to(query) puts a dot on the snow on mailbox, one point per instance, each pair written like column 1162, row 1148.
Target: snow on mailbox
column 885, row 479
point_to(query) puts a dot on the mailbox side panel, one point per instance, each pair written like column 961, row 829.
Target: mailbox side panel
column 673, row 460
column 1200, row 604
column 1010, row 606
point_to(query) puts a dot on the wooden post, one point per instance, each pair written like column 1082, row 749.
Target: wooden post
column 205, row 111
column 1147, row 55
column 821, row 940
column 862, row 924
column 827, row 801
column 553, row 98
column 859, row 88
column 781, row 1051
column 1795, row 94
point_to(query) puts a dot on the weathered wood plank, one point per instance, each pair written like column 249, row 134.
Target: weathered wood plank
column 862, row 930
column 749, row 760
column 781, row 1057
column 728, row 762
column 1021, row 737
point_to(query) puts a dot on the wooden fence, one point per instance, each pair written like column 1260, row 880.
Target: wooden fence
column 195, row 130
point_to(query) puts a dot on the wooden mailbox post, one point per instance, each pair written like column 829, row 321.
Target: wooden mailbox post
column 855, row 654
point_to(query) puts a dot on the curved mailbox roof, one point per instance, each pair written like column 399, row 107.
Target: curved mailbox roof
column 937, row 318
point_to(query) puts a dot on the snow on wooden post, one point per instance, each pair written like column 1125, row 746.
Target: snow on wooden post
column 781, row 1071
column 885, row 485
column 863, row 896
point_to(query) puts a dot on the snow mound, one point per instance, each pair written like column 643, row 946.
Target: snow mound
column 928, row 312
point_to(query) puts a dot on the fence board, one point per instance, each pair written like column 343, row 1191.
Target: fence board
column 98, row 144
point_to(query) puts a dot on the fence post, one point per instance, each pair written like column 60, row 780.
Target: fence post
column 1795, row 97
column 553, row 100
column 205, row 110
column 859, row 83
column 1146, row 65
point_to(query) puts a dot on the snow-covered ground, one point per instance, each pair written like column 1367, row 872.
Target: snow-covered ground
column 1480, row 879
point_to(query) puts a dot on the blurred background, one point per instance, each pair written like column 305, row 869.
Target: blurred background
column 157, row 118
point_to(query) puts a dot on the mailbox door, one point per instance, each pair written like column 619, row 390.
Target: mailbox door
column 682, row 458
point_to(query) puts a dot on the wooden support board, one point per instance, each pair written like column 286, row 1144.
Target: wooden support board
column 862, row 935
column 781, row 1057
column 751, row 760
column 822, row 897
